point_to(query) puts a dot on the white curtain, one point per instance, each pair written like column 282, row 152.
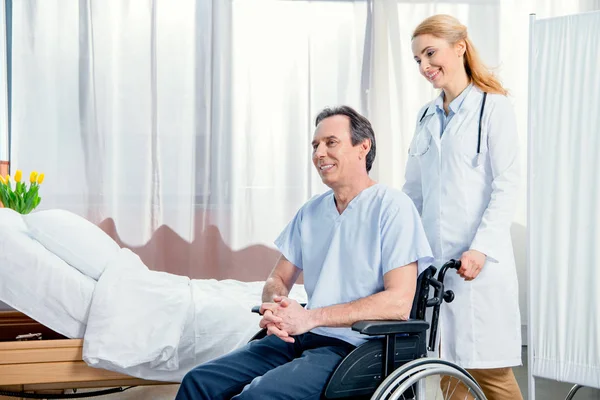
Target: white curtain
column 564, row 199
column 182, row 129
column 290, row 59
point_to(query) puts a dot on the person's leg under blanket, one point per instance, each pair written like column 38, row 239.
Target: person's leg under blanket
column 268, row 369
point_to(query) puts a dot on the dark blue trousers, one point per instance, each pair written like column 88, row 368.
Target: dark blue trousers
column 268, row 369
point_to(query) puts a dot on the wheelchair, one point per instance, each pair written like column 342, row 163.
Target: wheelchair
column 394, row 366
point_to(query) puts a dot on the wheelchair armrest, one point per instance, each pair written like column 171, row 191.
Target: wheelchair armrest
column 376, row 328
column 256, row 309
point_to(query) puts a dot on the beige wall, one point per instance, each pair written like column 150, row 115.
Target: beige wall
column 207, row 256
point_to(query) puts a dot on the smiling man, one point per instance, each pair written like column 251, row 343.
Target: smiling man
column 359, row 246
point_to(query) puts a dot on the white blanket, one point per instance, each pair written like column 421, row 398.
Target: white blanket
column 156, row 325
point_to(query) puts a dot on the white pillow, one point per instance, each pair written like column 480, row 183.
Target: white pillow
column 11, row 219
column 76, row 240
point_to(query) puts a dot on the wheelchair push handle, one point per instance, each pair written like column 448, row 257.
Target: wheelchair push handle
column 440, row 296
column 438, row 284
column 452, row 264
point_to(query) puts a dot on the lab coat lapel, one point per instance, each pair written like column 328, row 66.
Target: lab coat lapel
column 432, row 124
column 469, row 110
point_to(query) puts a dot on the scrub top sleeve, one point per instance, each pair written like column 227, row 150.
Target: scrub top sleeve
column 289, row 241
column 403, row 239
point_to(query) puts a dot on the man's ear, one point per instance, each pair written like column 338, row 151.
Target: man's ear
column 365, row 147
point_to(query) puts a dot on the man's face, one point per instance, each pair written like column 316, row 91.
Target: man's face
column 336, row 160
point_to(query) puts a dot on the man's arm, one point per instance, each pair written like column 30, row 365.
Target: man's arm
column 393, row 303
column 278, row 284
column 281, row 280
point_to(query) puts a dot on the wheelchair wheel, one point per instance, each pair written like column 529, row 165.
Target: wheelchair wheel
column 572, row 392
column 429, row 379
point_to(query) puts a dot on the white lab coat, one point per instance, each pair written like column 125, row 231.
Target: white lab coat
column 467, row 202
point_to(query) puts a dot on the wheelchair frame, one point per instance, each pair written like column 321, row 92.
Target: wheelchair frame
column 398, row 359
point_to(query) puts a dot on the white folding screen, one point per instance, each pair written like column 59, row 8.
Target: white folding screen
column 564, row 199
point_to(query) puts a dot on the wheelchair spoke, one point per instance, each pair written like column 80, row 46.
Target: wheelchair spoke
column 447, row 389
column 453, row 395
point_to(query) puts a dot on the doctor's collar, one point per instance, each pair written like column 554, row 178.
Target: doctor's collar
column 456, row 104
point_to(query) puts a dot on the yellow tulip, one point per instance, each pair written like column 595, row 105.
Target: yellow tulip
column 2, row 180
column 33, row 177
column 40, row 179
column 18, row 175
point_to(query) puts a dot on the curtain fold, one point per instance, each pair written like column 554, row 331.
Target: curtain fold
column 183, row 131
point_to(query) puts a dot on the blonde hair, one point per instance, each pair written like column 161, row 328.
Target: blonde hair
column 449, row 28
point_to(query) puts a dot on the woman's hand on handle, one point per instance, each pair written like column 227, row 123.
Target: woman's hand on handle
column 471, row 264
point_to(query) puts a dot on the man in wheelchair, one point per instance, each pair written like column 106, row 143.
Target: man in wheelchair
column 360, row 246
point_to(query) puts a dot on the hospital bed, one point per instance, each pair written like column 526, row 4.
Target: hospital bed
column 105, row 318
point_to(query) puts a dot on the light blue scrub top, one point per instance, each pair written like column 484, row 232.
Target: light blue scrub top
column 344, row 256
column 453, row 107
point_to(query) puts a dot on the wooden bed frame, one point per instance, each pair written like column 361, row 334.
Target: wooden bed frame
column 54, row 362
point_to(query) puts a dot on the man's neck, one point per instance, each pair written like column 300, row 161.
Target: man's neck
column 344, row 194
column 454, row 89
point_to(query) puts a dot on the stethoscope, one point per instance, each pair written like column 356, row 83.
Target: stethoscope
column 478, row 132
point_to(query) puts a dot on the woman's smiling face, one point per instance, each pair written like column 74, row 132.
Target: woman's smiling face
column 439, row 61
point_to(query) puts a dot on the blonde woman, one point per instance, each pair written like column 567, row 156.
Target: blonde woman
column 463, row 175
